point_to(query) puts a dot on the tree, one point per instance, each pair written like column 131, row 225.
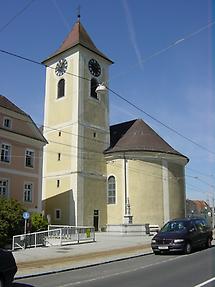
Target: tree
column 38, row 222
column 11, row 220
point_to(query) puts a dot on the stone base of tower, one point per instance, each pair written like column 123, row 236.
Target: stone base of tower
column 132, row 229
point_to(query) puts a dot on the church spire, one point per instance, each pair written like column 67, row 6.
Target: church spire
column 78, row 36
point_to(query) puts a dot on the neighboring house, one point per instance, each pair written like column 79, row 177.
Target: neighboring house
column 199, row 208
column 21, row 155
column 94, row 174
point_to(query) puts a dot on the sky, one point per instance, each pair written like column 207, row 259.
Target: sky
column 164, row 67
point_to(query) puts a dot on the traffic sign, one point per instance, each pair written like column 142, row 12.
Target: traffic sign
column 26, row 215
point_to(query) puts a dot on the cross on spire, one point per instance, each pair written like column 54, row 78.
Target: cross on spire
column 79, row 13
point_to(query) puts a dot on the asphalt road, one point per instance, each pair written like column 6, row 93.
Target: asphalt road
column 193, row 270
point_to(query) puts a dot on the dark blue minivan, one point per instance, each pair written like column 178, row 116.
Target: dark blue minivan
column 182, row 235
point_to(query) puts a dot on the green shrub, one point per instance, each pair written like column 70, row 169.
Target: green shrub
column 38, row 222
column 11, row 220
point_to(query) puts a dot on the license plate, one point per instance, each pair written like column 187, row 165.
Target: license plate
column 163, row 247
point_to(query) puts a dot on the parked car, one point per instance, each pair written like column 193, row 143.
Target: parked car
column 8, row 268
column 182, row 235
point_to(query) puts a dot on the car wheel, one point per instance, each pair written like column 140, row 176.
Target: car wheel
column 209, row 243
column 156, row 252
column 1, row 282
column 187, row 248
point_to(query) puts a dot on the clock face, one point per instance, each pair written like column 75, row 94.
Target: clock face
column 94, row 68
column 61, row 67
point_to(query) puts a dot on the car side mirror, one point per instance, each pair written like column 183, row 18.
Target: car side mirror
column 191, row 229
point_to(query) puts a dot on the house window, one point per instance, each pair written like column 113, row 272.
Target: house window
column 7, row 123
column 58, row 214
column 59, row 156
column 59, row 134
column 4, row 187
column 29, row 158
column 111, row 196
column 93, row 86
column 28, row 192
column 58, row 183
column 60, row 89
column 5, row 152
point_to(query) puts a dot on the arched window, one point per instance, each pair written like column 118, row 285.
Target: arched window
column 111, row 192
column 60, row 88
column 94, row 84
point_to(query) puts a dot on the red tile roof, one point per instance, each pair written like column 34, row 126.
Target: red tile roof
column 200, row 204
column 78, row 36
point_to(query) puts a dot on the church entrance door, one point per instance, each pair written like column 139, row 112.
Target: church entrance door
column 96, row 219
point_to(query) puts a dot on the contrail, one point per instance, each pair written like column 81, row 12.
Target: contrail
column 132, row 33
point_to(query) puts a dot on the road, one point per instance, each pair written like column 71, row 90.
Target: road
column 192, row 270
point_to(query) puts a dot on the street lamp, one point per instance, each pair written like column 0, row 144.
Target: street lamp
column 101, row 88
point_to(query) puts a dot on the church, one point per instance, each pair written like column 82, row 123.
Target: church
column 95, row 174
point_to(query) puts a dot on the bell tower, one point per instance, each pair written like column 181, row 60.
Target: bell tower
column 76, row 126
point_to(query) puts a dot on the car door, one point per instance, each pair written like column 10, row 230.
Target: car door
column 193, row 234
column 205, row 232
column 202, row 231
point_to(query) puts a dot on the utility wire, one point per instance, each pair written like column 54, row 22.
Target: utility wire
column 124, row 99
column 16, row 15
column 61, row 129
column 161, row 123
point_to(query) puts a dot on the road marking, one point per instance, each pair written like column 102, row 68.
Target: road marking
column 205, row 282
column 118, row 273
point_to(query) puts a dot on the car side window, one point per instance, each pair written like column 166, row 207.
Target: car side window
column 201, row 225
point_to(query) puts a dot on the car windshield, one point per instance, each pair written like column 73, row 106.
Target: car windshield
column 174, row 226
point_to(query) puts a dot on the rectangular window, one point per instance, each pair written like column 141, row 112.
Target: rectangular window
column 58, row 183
column 29, row 158
column 5, row 152
column 7, row 123
column 59, row 156
column 28, row 192
column 58, row 214
column 4, row 187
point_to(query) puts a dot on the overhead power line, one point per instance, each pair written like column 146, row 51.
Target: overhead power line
column 16, row 15
column 161, row 123
column 124, row 99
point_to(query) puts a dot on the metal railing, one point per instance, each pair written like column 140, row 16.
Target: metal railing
column 75, row 233
column 55, row 235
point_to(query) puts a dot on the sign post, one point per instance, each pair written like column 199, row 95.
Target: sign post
column 26, row 216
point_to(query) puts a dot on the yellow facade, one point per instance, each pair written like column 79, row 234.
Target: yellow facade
column 76, row 167
column 146, row 186
column 77, row 129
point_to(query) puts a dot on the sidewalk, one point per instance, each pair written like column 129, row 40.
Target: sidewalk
column 108, row 247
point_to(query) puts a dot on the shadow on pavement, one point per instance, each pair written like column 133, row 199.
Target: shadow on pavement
column 21, row 285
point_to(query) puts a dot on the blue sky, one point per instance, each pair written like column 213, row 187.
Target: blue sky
column 164, row 63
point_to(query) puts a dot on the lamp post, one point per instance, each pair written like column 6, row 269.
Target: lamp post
column 127, row 215
column 102, row 89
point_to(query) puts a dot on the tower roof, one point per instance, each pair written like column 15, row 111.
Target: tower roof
column 136, row 135
column 78, row 36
